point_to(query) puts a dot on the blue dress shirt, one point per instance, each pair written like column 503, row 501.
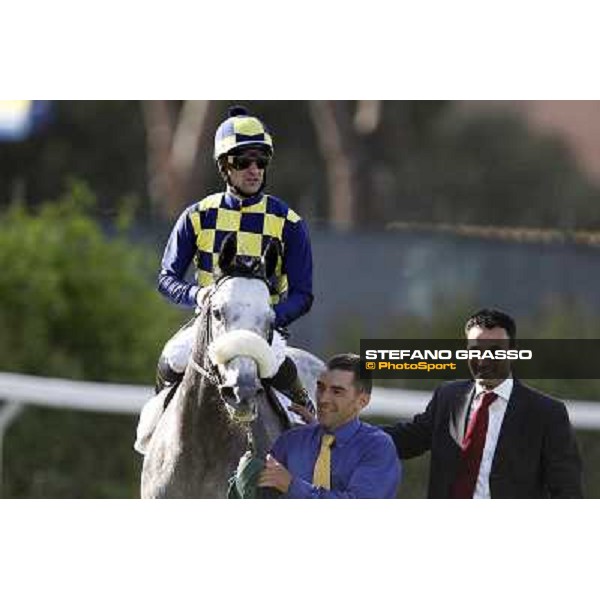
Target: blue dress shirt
column 364, row 462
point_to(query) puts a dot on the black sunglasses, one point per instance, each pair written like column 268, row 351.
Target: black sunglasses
column 239, row 163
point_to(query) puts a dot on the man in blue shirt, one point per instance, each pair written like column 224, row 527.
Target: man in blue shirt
column 242, row 152
column 339, row 456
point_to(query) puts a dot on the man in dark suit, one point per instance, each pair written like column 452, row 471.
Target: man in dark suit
column 493, row 437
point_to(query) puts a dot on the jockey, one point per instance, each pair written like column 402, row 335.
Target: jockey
column 243, row 150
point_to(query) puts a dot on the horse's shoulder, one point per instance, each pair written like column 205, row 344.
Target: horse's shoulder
column 304, row 358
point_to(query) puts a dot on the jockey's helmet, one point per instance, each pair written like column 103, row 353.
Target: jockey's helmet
column 241, row 130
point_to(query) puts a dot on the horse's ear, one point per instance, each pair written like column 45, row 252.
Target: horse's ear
column 270, row 257
column 227, row 252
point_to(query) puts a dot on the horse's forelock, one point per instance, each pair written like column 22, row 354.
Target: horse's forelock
column 251, row 295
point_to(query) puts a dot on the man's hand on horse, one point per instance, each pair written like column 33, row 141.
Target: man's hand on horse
column 304, row 412
column 275, row 475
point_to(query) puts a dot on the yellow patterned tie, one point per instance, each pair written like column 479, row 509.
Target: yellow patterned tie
column 322, row 472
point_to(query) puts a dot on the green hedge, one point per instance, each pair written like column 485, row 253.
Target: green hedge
column 76, row 303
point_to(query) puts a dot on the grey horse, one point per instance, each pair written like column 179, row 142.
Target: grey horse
column 221, row 406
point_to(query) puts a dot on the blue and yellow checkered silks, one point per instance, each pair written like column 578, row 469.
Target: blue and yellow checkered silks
column 255, row 225
column 240, row 131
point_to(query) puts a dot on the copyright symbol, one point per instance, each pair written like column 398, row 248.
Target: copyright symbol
column 370, row 366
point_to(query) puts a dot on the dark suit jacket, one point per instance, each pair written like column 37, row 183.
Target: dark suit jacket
column 536, row 455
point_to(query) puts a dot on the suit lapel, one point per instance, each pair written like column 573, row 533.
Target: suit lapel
column 510, row 424
column 458, row 413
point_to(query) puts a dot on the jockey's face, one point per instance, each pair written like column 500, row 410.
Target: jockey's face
column 247, row 170
column 338, row 400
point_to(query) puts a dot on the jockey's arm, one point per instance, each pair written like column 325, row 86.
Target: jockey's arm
column 178, row 255
column 297, row 264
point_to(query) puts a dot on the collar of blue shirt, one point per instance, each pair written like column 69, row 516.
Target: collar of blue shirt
column 344, row 432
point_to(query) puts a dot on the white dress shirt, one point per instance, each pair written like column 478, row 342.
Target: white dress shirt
column 497, row 410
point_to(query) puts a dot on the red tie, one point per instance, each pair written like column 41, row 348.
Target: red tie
column 472, row 450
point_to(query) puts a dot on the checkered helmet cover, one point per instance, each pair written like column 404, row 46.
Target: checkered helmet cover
column 239, row 130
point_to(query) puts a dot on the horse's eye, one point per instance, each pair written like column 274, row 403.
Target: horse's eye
column 217, row 314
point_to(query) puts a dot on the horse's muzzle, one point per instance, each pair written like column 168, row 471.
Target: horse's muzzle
column 242, row 401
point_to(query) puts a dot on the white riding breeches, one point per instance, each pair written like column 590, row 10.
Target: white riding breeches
column 178, row 349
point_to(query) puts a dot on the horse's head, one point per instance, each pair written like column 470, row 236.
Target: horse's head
column 240, row 319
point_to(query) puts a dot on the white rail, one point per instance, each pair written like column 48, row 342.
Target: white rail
column 403, row 404
column 129, row 399
column 66, row 393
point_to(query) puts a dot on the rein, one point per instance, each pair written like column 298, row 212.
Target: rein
column 206, row 374
column 211, row 373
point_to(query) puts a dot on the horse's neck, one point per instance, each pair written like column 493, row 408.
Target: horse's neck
column 205, row 421
column 211, row 422
column 214, row 427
